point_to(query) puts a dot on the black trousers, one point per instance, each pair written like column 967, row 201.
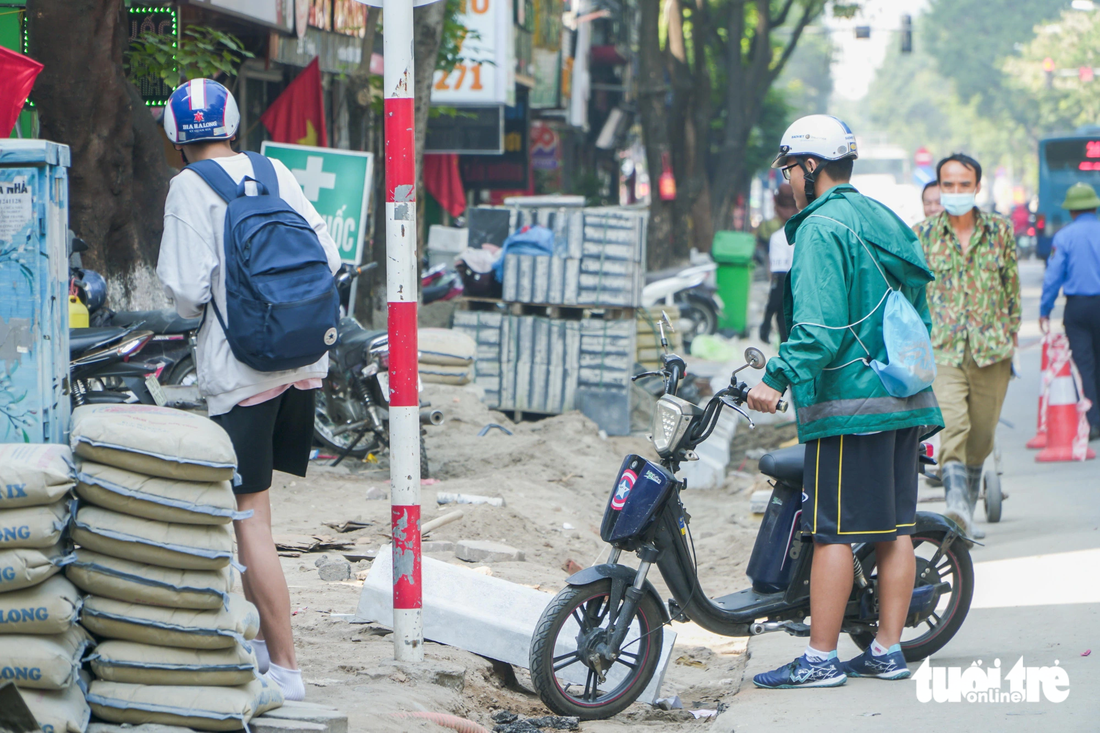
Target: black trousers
column 774, row 307
column 1082, row 323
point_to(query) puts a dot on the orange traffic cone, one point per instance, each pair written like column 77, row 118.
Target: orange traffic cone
column 1066, row 423
column 1040, row 439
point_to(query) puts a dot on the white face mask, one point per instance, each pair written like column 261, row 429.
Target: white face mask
column 957, row 204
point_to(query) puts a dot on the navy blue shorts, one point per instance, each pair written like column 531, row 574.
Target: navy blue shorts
column 861, row 488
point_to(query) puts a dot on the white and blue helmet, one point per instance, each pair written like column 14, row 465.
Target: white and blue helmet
column 821, row 136
column 201, row 110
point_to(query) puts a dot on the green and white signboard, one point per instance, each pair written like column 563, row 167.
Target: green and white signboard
column 338, row 184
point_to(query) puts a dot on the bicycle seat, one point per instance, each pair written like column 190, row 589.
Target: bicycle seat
column 785, row 464
column 164, row 322
column 84, row 339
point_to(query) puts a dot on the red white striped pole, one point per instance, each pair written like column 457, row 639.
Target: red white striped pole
column 401, row 291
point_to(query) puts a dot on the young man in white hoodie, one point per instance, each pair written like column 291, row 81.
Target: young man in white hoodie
column 268, row 415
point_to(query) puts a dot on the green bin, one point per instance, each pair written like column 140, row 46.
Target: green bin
column 733, row 252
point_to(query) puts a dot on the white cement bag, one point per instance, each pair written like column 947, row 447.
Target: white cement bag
column 42, row 662
column 156, row 441
column 445, row 346
column 221, row 629
column 135, row 582
column 165, row 500
column 59, row 711
column 47, row 608
column 439, row 374
column 33, row 526
column 25, row 567
column 183, row 546
column 201, row 708
column 32, row 475
column 126, row 661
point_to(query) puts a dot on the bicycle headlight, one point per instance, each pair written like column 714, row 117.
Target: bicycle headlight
column 671, row 419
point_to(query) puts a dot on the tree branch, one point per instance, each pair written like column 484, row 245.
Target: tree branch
column 809, row 14
column 782, row 17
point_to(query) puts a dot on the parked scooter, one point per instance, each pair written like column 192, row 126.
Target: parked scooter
column 440, row 283
column 352, row 414
column 699, row 304
column 101, row 369
column 598, row 643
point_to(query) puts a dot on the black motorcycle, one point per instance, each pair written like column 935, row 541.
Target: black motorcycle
column 352, row 416
column 101, row 370
column 598, row 643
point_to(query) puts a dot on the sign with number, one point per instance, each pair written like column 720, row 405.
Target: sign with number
column 338, row 184
column 486, row 73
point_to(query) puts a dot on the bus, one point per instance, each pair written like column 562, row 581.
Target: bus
column 1063, row 161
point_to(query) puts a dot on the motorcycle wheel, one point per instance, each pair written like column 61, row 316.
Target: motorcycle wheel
column 184, row 374
column 697, row 317
column 566, row 684
column 993, row 496
column 328, row 417
column 934, row 565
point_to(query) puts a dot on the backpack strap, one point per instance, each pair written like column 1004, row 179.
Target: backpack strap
column 264, row 172
column 215, row 177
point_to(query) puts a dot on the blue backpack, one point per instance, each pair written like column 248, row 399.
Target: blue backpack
column 279, row 291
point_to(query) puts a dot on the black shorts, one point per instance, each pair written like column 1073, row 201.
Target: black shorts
column 861, row 488
column 276, row 435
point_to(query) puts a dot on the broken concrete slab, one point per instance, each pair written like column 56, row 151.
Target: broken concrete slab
column 332, row 719
column 437, row 546
column 335, row 571
column 481, row 551
column 475, row 612
column 269, row 724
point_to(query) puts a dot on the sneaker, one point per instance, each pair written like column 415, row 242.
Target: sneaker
column 890, row 666
column 803, row 673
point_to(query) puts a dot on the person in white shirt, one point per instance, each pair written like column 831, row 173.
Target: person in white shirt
column 268, row 415
column 780, row 256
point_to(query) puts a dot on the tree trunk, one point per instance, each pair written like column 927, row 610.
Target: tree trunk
column 361, row 136
column 359, row 91
column 119, row 178
column 660, row 248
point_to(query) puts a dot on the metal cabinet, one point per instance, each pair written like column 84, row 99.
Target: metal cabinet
column 34, row 285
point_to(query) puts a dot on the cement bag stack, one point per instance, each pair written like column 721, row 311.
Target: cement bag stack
column 155, row 549
column 41, row 644
column 446, row 356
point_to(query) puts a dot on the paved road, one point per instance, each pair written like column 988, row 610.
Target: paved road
column 1037, row 596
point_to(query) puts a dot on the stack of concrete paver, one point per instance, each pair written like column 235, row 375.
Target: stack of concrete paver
column 155, row 549
column 41, row 644
column 598, row 260
column 552, row 365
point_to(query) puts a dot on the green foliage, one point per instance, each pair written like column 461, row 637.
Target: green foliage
column 1072, row 42
column 969, row 39
column 202, row 53
column 454, row 34
column 916, row 106
column 807, row 82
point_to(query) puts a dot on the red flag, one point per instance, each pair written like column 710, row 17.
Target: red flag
column 298, row 115
column 17, row 75
column 443, row 182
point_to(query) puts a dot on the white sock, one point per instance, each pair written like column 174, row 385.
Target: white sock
column 814, row 655
column 289, row 681
column 263, row 659
column 878, row 649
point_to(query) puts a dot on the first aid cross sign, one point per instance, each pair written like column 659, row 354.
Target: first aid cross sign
column 338, row 184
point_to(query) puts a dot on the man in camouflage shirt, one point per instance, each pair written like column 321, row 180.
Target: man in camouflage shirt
column 975, row 305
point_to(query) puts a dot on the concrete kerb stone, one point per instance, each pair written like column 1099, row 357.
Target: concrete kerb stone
column 143, row 728
column 479, row 613
column 330, row 718
column 480, row 551
column 270, row 724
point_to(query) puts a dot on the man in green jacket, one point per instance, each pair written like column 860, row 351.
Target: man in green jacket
column 860, row 478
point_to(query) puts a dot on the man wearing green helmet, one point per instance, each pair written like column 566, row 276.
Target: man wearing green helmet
column 1074, row 267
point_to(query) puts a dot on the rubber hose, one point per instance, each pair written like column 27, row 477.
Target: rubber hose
column 447, row 721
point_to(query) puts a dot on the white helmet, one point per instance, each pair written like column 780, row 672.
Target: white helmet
column 822, row 136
